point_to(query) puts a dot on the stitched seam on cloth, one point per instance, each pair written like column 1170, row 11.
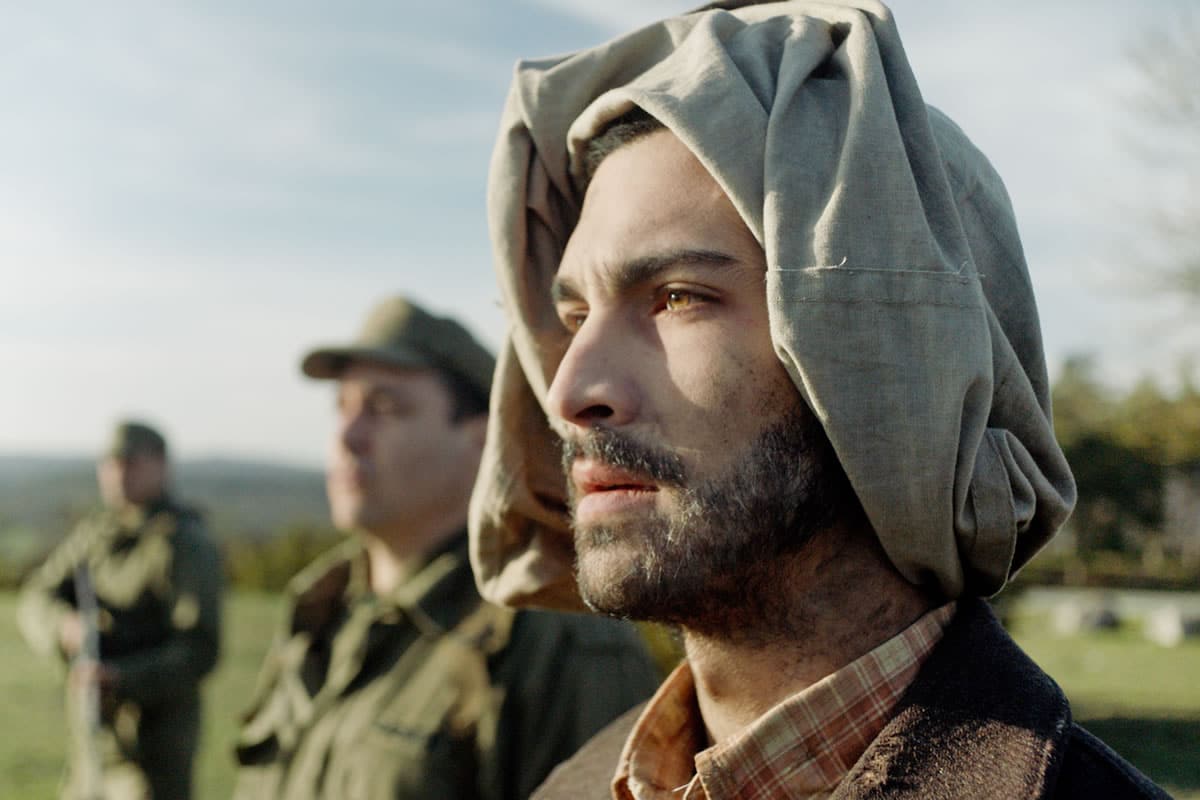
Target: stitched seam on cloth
column 871, row 301
column 968, row 199
column 959, row 276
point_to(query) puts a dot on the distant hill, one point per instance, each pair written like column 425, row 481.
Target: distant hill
column 42, row 496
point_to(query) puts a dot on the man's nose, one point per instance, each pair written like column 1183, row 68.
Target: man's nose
column 595, row 381
column 354, row 432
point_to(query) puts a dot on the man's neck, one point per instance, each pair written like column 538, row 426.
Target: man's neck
column 845, row 600
column 393, row 555
column 130, row 513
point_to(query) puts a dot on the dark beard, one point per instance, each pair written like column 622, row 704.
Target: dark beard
column 715, row 566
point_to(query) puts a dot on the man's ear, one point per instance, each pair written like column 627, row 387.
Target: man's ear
column 474, row 429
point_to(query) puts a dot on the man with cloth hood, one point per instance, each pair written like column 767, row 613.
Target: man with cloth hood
column 391, row 677
column 776, row 312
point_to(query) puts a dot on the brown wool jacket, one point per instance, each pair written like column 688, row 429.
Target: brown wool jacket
column 980, row 721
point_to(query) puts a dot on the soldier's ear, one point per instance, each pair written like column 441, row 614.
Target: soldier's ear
column 474, row 430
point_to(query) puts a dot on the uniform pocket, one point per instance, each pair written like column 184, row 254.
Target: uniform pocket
column 408, row 750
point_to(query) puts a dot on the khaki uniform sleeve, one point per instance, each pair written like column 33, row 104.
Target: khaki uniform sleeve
column 260, row 772
column 153, row 675
column 564, row 677
column 47, row 595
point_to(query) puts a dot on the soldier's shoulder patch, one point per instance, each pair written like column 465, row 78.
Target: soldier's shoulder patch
column 488, row 628
column 186, row 612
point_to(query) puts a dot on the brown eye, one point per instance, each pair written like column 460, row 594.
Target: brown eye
column 573, row 321
column 383, row 406
column 387, row 405
column 678, row 299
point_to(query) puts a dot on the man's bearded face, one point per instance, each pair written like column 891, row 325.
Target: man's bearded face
column 713, row 552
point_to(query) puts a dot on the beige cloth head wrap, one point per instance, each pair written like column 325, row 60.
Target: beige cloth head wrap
column 899, row 299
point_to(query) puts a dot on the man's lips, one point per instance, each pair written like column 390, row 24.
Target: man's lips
column 591, row 476
column 604, row 491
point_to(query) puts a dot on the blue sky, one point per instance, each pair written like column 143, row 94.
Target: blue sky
column 194, row 194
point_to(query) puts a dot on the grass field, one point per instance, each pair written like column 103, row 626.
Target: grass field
column 1141, row 699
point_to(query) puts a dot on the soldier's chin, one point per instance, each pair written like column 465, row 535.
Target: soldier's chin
column 350, row 515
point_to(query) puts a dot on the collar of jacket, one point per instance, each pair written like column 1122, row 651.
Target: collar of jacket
column 437, row 598
column 128, row 520
column 980, row 720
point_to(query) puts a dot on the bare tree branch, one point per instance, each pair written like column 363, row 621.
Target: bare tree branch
column 1163, row 133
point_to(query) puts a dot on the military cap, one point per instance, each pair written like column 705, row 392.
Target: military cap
column 130, row 437
column 400, row 333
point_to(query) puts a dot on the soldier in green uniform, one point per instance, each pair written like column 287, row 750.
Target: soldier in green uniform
column 390, row 677
column 152, row 580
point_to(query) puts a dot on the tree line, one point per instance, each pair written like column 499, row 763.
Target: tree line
column 1135, row 455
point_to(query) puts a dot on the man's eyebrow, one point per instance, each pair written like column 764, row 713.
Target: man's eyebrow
column 642, row 270
column 369, row 390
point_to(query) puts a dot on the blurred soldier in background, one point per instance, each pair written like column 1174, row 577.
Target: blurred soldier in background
column 132, row 598
column 390, row 677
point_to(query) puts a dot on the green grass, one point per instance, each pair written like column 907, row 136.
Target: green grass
column 1141, row 699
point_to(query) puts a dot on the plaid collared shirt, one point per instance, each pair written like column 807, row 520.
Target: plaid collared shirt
column 802, row 748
